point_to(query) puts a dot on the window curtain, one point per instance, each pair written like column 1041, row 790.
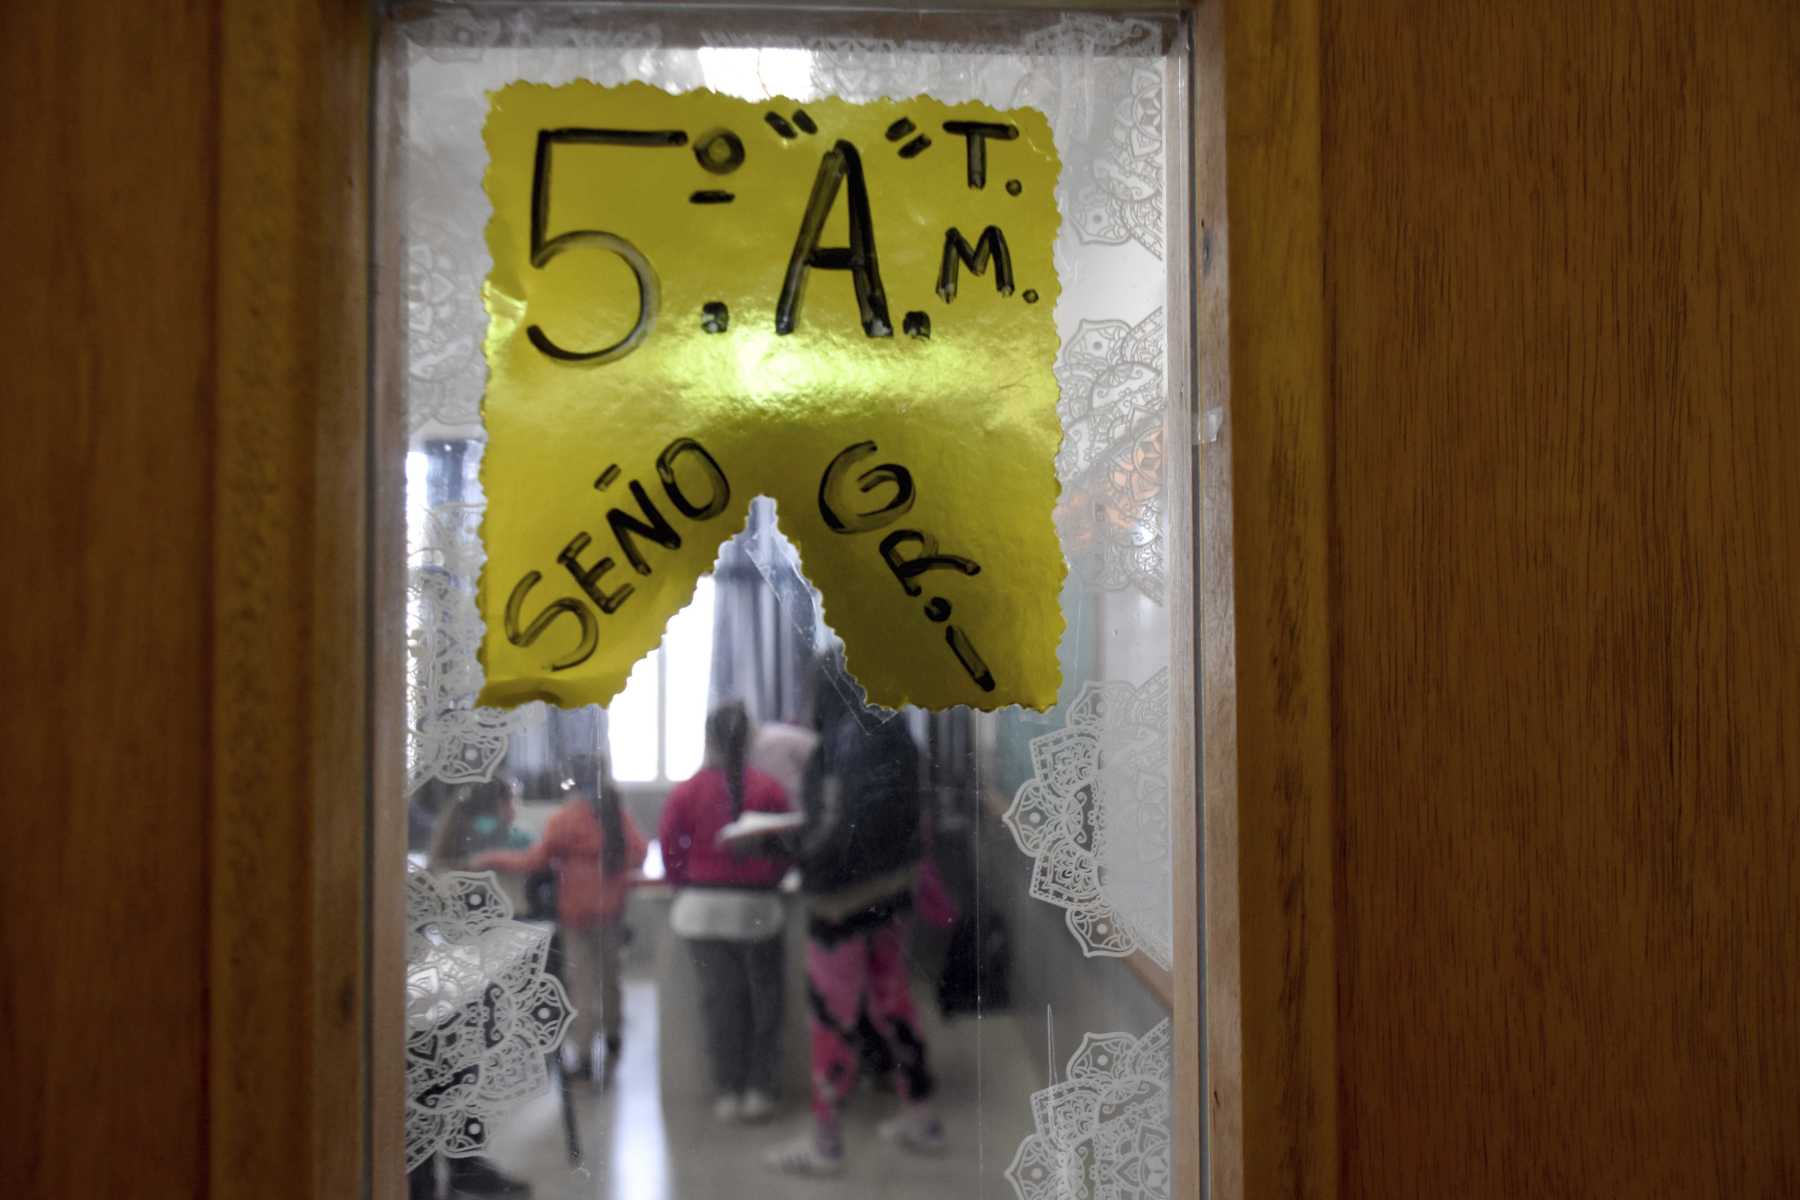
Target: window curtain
column 765, row 623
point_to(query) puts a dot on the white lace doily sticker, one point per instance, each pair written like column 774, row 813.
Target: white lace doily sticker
column 447, row 736
column 1102, row 1133
column 1114, row 405
column 481, row 1013
column 1095, row 817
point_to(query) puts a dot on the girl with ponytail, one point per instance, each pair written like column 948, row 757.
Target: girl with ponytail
column 594, row 846
column 729, row 914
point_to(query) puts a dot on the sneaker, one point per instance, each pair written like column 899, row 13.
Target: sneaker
column 802, row 1156
column 756, row 1106
column 727, row 1108
column 916, row 1133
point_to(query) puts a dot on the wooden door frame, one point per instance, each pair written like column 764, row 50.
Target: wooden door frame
column 1269, row 843
column 245, row 682
column 308, row 558
column 295, row 757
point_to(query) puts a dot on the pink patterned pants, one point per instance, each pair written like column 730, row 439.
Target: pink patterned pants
column 849, row 977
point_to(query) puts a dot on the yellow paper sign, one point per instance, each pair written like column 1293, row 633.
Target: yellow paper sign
column 845, row 307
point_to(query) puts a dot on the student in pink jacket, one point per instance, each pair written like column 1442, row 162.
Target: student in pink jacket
column 594, row 846
column 729, row 915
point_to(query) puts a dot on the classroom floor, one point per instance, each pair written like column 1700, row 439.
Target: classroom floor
column 653, row 1136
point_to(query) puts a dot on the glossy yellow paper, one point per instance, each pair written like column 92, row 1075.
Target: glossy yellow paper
column 660, row 353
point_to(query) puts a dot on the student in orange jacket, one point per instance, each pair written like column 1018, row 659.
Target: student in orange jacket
column 594, row 846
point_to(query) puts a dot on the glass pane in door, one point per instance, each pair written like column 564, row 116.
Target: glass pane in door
column 603, row 1002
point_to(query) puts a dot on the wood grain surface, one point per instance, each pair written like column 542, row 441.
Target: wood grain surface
column 1270, row 848
column 182, row 1011
column 290, row 687
column 1561, row 281
column 1564, row 285
column 106, row 648
column 1206, row 892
